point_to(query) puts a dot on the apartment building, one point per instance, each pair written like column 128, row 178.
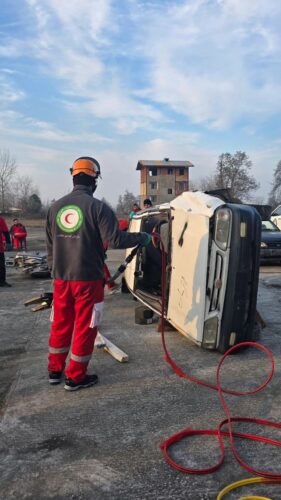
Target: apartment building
column 161, row 181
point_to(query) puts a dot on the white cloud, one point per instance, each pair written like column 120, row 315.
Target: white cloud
column 246, row 10
column 212, row 67
column 74, row 42
column 12, row 48
column 203, row 60
column 14, row 124
column 166, row 69
column 9, row 92
column 8, row 71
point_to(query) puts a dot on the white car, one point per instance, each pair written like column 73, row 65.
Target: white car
column 276, row 216
column 212, row 267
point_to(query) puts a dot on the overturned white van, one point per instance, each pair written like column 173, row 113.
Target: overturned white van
column 212, row 266
column 276, row 217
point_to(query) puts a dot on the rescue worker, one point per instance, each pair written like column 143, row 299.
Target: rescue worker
column 4, row 231
column 18, row 234
column 76, row 227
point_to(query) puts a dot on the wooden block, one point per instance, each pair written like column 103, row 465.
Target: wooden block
column 111, row 348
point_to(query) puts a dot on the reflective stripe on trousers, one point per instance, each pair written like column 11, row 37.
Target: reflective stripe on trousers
column 80, row 359
column 59, row 350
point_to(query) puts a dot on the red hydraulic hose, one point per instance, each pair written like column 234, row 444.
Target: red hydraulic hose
column 219, row 433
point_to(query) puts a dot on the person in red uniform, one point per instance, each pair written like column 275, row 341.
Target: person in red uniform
column 76, row 227
column 18, row 234
column 4, row 231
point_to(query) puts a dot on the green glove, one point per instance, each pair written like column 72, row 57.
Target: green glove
column 148, row 239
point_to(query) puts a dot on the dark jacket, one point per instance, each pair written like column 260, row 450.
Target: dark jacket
column 76, row 227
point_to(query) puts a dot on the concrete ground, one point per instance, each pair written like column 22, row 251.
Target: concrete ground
column 103, row 442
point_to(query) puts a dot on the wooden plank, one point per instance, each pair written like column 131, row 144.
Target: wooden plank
column 99, row 342
column 40, row 307
column 112, row 349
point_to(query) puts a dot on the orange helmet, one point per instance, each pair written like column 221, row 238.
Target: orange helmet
column 86, row 165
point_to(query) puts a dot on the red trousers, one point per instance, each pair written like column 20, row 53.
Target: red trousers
column 77, row 309
column 19, row 241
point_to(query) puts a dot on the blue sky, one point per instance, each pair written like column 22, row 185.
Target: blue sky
column 139, row 79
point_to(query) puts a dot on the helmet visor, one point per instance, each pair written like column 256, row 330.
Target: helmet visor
column 85, row 166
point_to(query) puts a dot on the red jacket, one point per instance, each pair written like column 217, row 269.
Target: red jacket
column 4, row 231
column 18, row 230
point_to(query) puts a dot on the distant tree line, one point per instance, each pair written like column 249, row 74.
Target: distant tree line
column 125, row 204
column 233, row 172
column 275, row 193
column 17, row 191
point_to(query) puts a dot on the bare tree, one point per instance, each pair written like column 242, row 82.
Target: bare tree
column 23, row 189
column 125, row 204
column 34, row 205
column 275, row 193
column 258, row 200
column 8, row 169
column 204, row 184
column 232, row 173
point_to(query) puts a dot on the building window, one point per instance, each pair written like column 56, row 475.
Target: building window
column 170, row 171
column 181, row 186
column 153, row 185
column 153, row 198
column 181, row 171
column 153, row 171
column 170, row 191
